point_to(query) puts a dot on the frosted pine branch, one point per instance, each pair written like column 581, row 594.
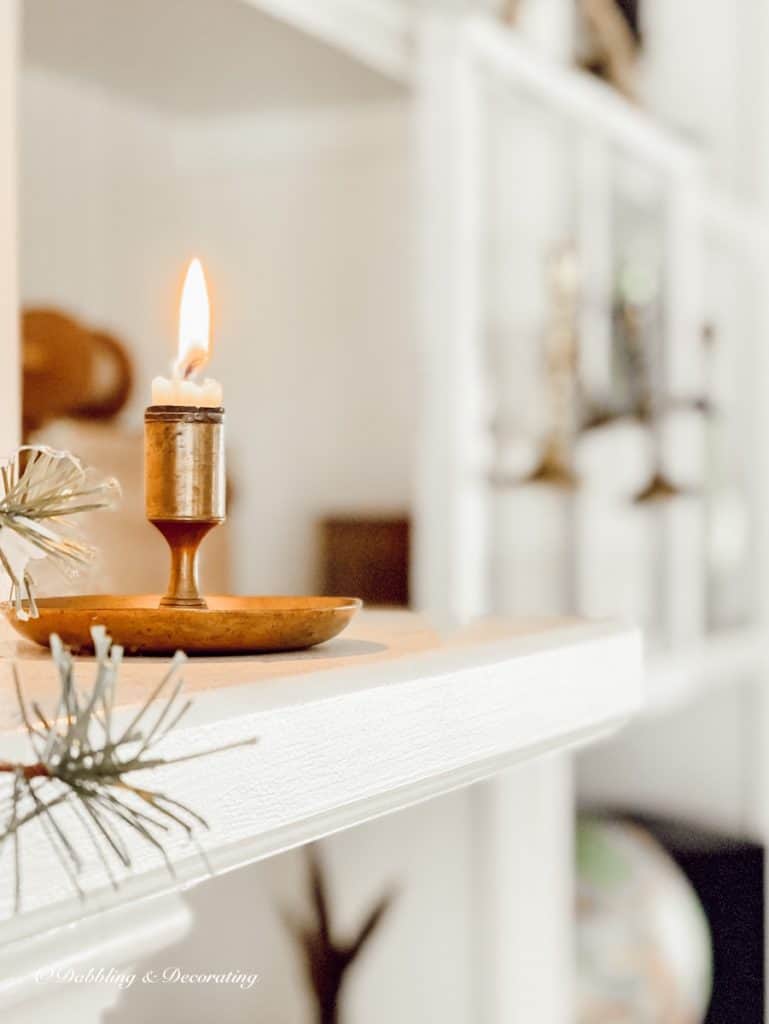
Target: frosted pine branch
column 41, row 490
column 81, row 762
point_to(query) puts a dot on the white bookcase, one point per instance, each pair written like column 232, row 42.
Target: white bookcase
column 548, row 154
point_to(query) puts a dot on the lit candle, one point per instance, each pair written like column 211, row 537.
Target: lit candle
column 182, row 388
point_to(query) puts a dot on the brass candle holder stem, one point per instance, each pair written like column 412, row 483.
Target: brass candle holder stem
column 184, row 489
column 184, row 540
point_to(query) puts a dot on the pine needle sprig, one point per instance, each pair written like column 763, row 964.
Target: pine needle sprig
column 42, row 489
column 81, row 765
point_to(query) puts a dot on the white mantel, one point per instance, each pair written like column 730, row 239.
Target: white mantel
column 387, row 715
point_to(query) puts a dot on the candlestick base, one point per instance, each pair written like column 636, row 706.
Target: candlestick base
column 229, row 625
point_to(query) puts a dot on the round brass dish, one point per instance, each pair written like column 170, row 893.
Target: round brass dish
column 229, row 625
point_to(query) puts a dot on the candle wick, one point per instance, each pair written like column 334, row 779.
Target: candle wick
column 194, row 360
column 188, row 368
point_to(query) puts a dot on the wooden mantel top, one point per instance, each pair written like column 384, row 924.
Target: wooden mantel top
column 381, row 638
column 388, row 714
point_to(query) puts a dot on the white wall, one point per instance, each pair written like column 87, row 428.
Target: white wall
column 302, row 220
column 98, row 214
column 304, row 224
column 691, row 77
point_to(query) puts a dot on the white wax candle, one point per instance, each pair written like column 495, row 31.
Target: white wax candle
column 172, row 391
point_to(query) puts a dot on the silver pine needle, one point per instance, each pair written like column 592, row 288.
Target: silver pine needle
column 80, row 764
column 41, row 490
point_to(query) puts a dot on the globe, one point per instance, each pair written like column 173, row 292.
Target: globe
column 644, row 950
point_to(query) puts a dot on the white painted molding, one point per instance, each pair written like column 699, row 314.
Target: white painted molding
column 126, row 935
column 524, row 885
column 385, row 718
column 454, row 457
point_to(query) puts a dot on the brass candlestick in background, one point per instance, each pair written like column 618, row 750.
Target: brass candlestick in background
column 555, row 465
column 184, row 489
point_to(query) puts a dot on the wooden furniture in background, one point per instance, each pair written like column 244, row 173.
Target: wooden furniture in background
column 367, row 557
column 70, row 371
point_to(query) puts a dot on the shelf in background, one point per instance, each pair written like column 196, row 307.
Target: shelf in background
column 732, row 221
column 578, row 96
column 381, row 718
column 724, row 658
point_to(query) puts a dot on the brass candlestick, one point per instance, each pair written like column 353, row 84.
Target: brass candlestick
column 184, row 489
column 185, row 499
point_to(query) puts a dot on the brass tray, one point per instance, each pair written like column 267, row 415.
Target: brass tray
column 230, row 625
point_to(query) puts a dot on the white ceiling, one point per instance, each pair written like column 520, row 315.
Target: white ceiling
column 193, row 56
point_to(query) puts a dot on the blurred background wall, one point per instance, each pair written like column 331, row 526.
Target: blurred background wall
column 300, row 314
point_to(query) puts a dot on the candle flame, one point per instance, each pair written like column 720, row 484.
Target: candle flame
column 194, row 323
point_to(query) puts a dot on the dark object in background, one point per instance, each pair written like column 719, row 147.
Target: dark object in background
column 367, row 557
column 326, row 959
column 728, row 876
column 610, row 40
column 631, row 9
column 510, row 11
